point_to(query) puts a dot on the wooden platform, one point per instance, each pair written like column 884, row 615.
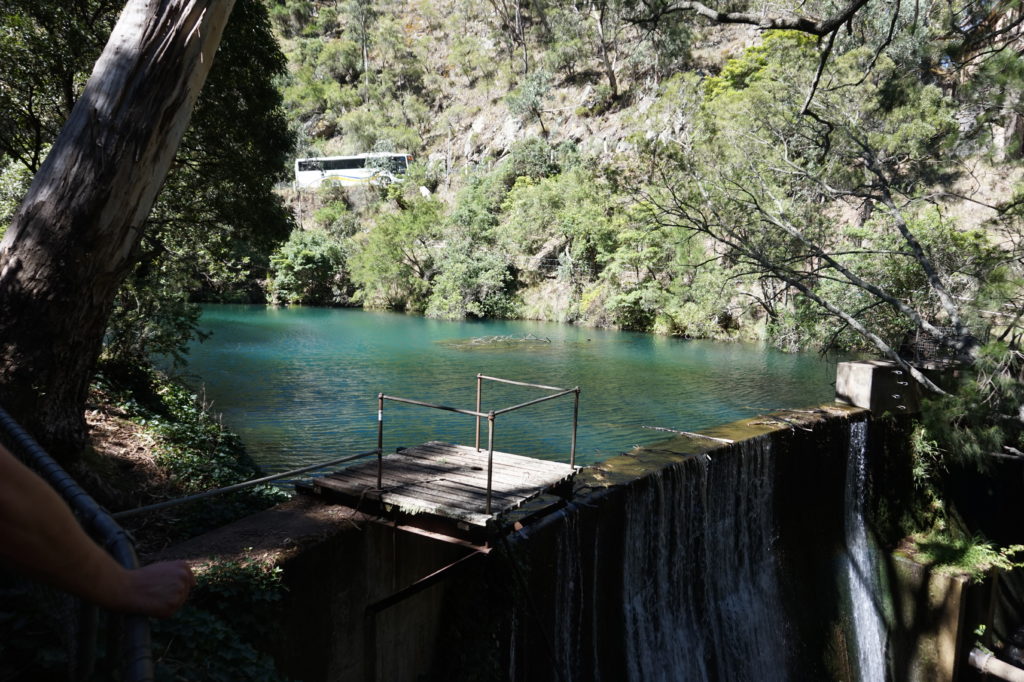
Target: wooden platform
column 446, row 483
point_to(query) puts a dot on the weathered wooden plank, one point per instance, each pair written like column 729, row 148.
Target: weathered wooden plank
column 448, row 481
column 513, row 459
column 414, row 505
column 505, row 480
column 475, row 464
column 500, row 476
column 502, row 460
column 440, row 491
column 420, row 500
column 436, row 485
column 471, row 481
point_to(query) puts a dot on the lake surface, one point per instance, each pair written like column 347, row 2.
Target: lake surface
column 300, row 385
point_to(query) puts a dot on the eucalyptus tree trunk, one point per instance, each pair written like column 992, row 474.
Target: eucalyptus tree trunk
column 74, row 237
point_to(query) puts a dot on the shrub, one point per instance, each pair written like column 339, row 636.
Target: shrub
column 309, row 268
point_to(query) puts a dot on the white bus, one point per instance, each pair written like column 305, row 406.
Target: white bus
column 377, row 169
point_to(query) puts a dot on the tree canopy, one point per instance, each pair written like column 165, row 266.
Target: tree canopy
column 78, row 232
column 832, row 175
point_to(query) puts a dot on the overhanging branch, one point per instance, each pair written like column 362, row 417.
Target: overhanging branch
column 791, row 22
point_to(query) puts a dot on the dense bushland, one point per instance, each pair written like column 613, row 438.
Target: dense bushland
column 836, row 177
column 606, row 163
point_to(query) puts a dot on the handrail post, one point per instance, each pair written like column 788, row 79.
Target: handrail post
column 380, row 441
column 575, row 415
column 490, row 456
column 479, row 389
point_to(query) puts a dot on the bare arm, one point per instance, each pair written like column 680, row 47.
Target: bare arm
column 40, row 534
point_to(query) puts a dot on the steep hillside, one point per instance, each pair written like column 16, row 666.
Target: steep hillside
column 447, row 85
column 558, row 146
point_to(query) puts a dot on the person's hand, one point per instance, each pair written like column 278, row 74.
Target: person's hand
column 158, row 589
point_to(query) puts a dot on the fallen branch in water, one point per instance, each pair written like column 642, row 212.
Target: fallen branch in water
column 690, row 434
column 783, row 420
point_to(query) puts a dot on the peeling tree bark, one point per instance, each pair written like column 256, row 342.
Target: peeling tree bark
column 74, row 238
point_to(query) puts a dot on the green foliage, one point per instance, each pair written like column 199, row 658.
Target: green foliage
column 199, row 645
column 358, row 76
column 468, row 58
column 955, row 555
column 334, row 216
column 876, row 253
column 48, row 48
column 226, row 629
column 309, row 268
column 569, row 213
column 756, row 175
column 475, row 280
column 152, row 315
column 217, row 210
column 755, row 63
column 216, row 219
column 543, row 215
column 290, row 17
column 983, row 415
column 393, row 263
column 530, row 98
column 190, row 444
column 537, row 158
column 14, row 182
column 653, row 283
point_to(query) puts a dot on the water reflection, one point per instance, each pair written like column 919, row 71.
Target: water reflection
column 300, row 384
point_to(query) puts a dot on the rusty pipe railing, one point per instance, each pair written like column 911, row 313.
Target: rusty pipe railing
column 479, row 414
column 561, row 391
column 135, row 653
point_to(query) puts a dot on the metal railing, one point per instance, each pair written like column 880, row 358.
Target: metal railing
column 490, row 416
column 238, row 486
column 135, row 650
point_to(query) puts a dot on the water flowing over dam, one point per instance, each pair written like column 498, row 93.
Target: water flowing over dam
column 864, row 604
column 747, row 562
column 748, row 558
column 702, row 573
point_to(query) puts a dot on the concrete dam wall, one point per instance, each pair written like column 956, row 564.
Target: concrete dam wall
column 746, row 557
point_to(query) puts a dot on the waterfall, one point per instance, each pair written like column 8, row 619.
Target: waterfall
column 865, row 608
column 716, row 567
column 700, row 578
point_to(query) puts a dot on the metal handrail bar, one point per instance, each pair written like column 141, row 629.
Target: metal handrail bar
column 535, row 401
column 471, row 413
column 127, row 513
column 137, row 662
column 381, row 397
column 490, row 457
column 563, row 391
column 518, row 383
column 478, row 414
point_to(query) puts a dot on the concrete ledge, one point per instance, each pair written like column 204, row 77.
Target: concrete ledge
column 275, row 534
column 877, row 385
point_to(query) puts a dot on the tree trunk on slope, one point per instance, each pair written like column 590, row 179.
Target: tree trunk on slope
column 74, row 238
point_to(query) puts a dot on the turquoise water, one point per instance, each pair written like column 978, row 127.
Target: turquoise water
column 300, row 384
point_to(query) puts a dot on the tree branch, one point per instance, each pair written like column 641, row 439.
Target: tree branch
column 792, row 22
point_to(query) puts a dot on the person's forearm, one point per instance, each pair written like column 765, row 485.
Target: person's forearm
column 39, row 534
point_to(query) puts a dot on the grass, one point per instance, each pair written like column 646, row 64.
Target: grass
column 970, row 556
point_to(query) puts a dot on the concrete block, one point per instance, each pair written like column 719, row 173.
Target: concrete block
column 930, row 606
column 877, row 385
